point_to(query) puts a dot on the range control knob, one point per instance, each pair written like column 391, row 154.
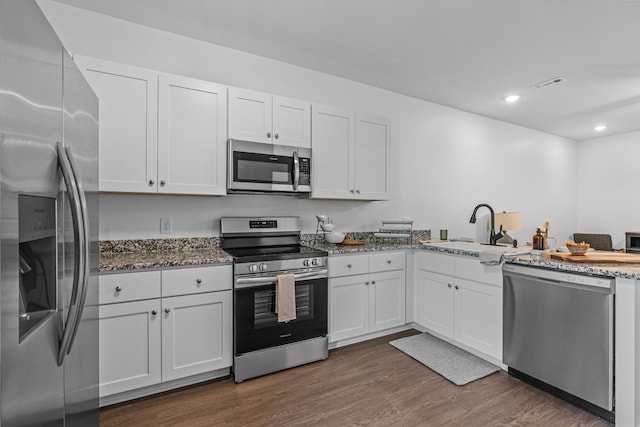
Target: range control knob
column 305, row 263
column 263, row 267
column 314, row 262
column 253, row 268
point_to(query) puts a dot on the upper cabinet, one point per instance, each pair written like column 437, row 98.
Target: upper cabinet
column 261, row 117
column 192, row 134
column 350, row 155
column 128, row 130
column 159, row 133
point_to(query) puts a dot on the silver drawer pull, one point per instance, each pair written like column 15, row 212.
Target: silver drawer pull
column 198, row 281
column 118, row 289
column 154, row 312
column 348, row 265
column 388, row 261
column 167, row 310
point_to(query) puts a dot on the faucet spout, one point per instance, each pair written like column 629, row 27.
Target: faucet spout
column 493, row 236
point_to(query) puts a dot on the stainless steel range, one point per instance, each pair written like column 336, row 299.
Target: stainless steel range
column 266, row 250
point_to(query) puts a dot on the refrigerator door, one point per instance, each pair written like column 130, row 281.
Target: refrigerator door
column 81, row 138
column 32, row 389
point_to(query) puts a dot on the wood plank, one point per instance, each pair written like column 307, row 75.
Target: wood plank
column 369, row 383
column 606, row 257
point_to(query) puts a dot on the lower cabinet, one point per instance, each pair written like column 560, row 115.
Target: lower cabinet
column 360, row 304
column 466, row 311
column 147, row 338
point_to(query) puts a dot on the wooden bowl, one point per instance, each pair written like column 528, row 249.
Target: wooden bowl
column 578, row 248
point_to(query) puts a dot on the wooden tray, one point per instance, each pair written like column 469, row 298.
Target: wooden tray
column 352, row 242
column 611, row 257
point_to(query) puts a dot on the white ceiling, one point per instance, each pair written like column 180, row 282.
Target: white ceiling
column 467, row 54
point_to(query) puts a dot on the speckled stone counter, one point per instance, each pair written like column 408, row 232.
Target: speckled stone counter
column 629, row 271
column 123, row 255
column 450, row 251
column 372, row 244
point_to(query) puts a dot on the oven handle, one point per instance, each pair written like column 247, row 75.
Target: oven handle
column 248, row 282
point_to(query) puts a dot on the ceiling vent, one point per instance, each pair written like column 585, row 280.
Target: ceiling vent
column 548, row 83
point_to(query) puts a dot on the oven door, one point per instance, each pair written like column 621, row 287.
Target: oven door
column 255, row 166
column 256, row 324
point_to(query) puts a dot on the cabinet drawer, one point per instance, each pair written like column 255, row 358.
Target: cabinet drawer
column 471, row 269
column 348, row 264
column 196, row 280
column 436, row 262
column 386, row 261
column 129, row 287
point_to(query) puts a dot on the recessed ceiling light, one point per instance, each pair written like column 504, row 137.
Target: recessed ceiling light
column 599, row 128
column 512, row 98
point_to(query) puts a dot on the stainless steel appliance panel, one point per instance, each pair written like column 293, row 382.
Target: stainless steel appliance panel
column 80, row 125
column 32, row 373
column 558, row 328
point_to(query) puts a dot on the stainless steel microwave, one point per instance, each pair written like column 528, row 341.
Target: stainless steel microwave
column 254, row 167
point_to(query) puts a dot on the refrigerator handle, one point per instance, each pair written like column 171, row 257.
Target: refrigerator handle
column 81, row 250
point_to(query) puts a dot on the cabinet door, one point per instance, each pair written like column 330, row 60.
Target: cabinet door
column 291, row 122
column 348, row 307
column 332, row 137
column 192, row 136
column 386, row 300
column 371, row 171
column 128, row 124
column 196, row 334
column 479, row 316
column 129, row 346
column 250, row 115
column 436, row 296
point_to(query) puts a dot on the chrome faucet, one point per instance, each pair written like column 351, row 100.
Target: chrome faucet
column 493, row 236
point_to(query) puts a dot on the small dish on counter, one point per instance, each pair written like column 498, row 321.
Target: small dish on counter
column 334, row 237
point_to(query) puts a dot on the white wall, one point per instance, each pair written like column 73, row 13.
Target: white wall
column 444, row 162
column 608, row 193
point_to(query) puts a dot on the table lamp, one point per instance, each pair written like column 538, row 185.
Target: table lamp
column 507, row 221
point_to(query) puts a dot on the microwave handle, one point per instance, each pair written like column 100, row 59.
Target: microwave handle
column 296, row 170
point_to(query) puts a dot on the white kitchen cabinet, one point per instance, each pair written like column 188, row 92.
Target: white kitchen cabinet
column 261, row 117
column 160, row 326
column 350, row 155
column 460, row 300
column 360, row 304
column 192, row 136
column 196, row 334
column 129, row 348
column 128, row 131
column 159, row 133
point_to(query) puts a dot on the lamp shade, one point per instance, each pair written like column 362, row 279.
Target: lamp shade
column 508, row 221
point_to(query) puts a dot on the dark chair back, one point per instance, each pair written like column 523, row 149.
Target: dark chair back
column 599, row 242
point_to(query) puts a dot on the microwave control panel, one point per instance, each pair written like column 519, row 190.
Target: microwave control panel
column 305, row 171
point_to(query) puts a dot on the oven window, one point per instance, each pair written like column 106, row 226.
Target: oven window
column 264, row 305
column 263, row 168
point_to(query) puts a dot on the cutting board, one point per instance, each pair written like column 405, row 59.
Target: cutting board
column 352, row 242
column 612, row 257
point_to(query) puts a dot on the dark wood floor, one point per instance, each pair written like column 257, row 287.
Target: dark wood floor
column 366, row 384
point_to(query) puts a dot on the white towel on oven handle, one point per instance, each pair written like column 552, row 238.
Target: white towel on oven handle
column 286, row 297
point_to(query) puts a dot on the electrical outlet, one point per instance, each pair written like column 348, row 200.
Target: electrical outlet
column 165, row 225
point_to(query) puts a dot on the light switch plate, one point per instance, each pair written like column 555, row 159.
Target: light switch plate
column 166, row 225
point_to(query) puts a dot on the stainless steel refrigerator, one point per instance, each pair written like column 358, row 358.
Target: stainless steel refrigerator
column 48, row 227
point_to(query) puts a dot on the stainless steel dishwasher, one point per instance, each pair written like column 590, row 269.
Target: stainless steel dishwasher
column 558, row 334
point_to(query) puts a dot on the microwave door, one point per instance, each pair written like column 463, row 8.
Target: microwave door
column 265, row 172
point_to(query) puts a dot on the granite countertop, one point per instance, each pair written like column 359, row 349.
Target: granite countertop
column 629, row 271
column 114, row 261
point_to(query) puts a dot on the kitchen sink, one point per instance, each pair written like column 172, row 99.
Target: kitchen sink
column 478, row 247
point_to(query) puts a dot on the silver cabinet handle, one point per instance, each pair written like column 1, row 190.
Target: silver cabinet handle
column 348, row 265
column 118, row 289
column 268, row 134
column 448, row 285
column 154, row 312
column 351, row 191
column 167, row 310
column 366, row 283
column 151, row 182
column 358, row 191
column 276, row 136
column 163, row 182
column 388, row 261
column 198, row 281
column 457, row 287
column 373, row 282
column 80, row 221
